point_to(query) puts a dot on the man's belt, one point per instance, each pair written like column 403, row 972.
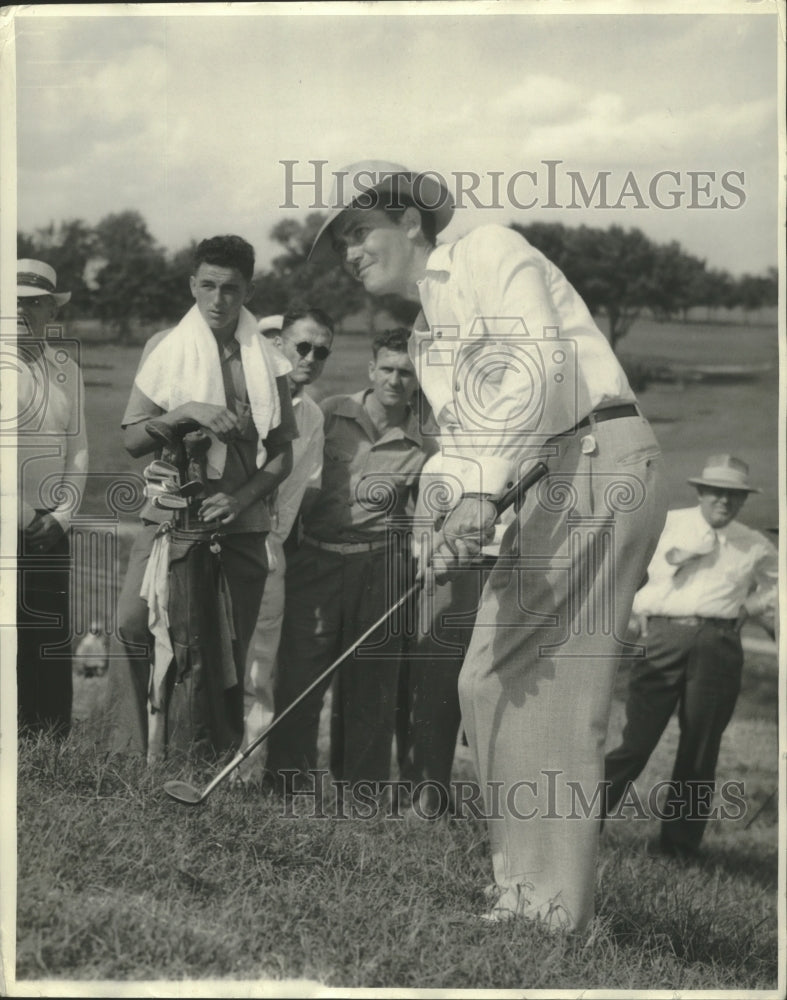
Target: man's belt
column 694, row 621
column 346, row 548
column 608, row 413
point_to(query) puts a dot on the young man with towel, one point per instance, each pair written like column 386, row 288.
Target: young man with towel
column 215, row 368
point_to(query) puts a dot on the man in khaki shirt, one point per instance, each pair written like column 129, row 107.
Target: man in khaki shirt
column 349, row 568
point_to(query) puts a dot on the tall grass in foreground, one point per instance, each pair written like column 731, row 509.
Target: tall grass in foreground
column 117, row 882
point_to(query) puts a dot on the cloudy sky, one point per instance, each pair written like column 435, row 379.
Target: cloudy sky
column 186, row 117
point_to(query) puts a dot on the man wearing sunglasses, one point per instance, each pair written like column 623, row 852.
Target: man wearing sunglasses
column 304, row 335
column 348, row 570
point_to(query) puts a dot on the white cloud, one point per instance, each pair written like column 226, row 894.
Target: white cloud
column 186, row 118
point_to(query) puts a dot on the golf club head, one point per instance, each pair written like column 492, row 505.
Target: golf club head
column 169, row 501
column 193, row 488
column 161, row 487
column 159, row 470
column 171, row 435
column 183, row 792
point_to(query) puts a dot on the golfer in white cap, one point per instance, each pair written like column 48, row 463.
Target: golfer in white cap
column 708, row 574
column 516, row 371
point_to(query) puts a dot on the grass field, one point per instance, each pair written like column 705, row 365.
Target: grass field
column 117, row 884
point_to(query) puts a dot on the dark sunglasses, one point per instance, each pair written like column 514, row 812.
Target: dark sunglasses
column 305, row 348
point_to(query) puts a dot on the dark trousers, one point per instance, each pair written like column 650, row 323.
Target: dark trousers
column 245, row 566
column 43, row 659
column 428, row 714
column 330, row 600
column 698, row 669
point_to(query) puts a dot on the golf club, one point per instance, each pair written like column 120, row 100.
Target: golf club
column 183, row 792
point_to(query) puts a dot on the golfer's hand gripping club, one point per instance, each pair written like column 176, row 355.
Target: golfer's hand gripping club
column 468, row 528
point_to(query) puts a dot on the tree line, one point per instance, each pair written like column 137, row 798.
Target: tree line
column 119, row 274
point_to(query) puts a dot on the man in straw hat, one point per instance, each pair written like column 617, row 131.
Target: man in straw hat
column 709, row 573
column 52, row 465
column 516, row 372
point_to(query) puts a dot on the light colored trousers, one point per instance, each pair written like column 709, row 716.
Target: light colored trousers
column 536, row 685
column 260, row 676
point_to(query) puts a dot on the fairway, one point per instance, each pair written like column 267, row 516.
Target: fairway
column 691, row 420
column 241, row 889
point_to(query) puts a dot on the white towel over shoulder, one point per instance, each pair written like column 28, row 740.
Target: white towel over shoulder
column 185, row 367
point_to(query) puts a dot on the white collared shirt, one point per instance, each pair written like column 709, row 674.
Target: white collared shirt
column 52, row 457
column 307, row 451
column 741, row 569
column 507, row 354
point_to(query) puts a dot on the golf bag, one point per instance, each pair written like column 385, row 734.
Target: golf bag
column 197, row 717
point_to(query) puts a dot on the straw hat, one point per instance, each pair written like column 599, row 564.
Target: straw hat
column 725, row 472
column 34, row 277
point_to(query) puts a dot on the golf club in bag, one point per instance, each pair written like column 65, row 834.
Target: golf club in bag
column 183, row 792
column 190, row 712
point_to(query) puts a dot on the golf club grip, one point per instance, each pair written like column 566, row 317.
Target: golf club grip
column 518, row 490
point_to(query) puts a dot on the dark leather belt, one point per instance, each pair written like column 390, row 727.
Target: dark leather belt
column 347, row 548
column 608, row 413
column 694, row 621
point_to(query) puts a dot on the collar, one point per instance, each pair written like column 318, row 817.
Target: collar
column 721, row 533
column 441, row 258
column 352, row 407
column 229, row 349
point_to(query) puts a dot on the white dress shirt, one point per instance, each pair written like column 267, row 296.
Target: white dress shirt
column 52, row 451
column 507, row 354
column 691, row 573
